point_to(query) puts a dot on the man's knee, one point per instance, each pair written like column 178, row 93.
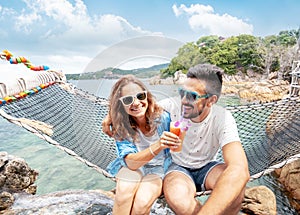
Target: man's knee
column 179, row 191
column 171, row 186
column 176, row 181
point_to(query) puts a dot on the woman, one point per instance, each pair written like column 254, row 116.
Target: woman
column 142, row 146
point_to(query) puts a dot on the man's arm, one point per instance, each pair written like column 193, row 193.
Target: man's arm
column 106, row 125
column 231, row 183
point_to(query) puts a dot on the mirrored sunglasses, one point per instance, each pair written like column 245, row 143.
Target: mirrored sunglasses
column 128, row 100
column 190, row 95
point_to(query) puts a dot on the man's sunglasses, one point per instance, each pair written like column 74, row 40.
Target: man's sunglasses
column 128, row 100
column 190, row 95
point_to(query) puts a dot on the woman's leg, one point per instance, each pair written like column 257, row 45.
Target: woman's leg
column 149, row 190
column 127, row 184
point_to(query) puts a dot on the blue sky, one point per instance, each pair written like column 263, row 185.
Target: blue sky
column 68, row 34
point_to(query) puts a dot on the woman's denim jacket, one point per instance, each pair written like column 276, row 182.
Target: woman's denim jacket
column 126, row 147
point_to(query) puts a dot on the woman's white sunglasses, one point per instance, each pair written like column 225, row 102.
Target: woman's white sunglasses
column 128, row 100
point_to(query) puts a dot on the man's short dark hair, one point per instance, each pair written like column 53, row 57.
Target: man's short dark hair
column 211, row 75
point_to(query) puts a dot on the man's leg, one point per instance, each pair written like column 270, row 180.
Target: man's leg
column 179, row 191
column 235, row 208
column 211, row 180
column 149, row 190
column 213, row 176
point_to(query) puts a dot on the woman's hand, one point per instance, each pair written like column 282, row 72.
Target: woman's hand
column 169, row 140
column 107, row 125
column 166, row 140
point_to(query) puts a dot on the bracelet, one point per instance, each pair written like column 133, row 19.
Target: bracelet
column 152, row 151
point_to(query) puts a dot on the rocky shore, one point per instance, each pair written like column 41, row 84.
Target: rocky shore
column 250, row 87
column 17, row 194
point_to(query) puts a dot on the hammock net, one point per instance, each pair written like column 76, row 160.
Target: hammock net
column 269, row 132
column 70, row 118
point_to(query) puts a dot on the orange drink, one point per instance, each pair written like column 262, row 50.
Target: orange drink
column 175, row 129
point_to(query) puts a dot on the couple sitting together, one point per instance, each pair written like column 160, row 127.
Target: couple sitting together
column 147, row 165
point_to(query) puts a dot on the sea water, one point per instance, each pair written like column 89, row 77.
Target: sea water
column 60, row 171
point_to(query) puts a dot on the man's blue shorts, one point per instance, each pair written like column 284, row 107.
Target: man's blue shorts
column 196, row 175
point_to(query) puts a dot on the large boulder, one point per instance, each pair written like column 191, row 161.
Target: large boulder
column 259, row 200
column 63, row 202
column 289, row 177
column 15, row 177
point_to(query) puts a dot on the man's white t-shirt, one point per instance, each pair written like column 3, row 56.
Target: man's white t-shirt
column 202, row 140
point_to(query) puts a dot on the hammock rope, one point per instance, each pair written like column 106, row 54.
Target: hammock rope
column 70, row 119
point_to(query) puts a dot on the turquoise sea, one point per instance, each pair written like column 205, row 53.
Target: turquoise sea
column 59, row 171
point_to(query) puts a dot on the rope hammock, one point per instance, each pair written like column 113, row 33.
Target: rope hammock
column 70, row 119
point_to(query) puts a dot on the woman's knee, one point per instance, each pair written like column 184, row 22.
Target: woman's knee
column 125, row 188
column 127, row 180
column 146, row 195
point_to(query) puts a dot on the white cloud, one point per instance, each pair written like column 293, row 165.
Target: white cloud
column 62, row 34
column 202, row 19
column 69, row 25
column 194, row 9
column 65, row 63
column 25, row 20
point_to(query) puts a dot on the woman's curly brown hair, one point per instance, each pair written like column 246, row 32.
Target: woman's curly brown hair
column 123, row 125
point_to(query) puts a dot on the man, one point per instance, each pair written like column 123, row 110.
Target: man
column 195, row 168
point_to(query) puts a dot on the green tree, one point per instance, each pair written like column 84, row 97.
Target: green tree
column 208, row 42
column 288, row 38
column 225, row 55
column 172, row 68
column 248, row 54
column 187, row 56
column 240, row 53
column 207, row 45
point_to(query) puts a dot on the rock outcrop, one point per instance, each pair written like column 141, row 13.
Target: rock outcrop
column 64, row 202
column 250, row 87
column 17, row 195
column 263, row 91
column 15, row 177
column 289, row 177
column 259, row 200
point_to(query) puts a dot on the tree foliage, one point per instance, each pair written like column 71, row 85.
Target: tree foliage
column 238, row 53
